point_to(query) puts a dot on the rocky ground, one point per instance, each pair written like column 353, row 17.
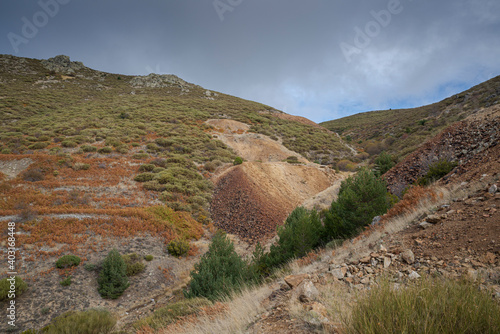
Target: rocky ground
column 460, row 239
column 461, row 142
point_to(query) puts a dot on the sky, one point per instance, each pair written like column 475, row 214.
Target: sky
column 321, row 59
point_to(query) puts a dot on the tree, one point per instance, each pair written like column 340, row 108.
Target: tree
column 383, row 163
column 361, row 198
column 220, row 271
column 113, row 279
column 301, row 233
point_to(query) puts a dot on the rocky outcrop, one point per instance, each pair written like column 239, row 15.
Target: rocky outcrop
column 159, row 81
column 62, row 64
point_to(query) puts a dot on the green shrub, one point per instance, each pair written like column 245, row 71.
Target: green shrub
column 5, row 284
column 105, row 150
column 157, row 170
column 436, row 171
column 148, row 258
column 38, row 146
column 237, row 161
column 178, row 247
column 360, row 198
column 68, row 143
column 164, row 316
column 210, row 166
column 67, row 261
column 426, row 306
column 122, row 150
column 81, row 166
column 93, row 321
column 133, row 263
column 153, row 185
column 219, row 272
column 144, row 177
column 301, row 233
column 89, row 266
column 383, row 163
column 88, row 148
column 146, row 168
column 140, row 156
column 292, row 159
column 66, row 281
column 113, row 279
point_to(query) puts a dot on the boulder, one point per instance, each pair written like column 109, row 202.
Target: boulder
column 408, row 256
column 306, row 292
column 414, row 275
column 294, row 280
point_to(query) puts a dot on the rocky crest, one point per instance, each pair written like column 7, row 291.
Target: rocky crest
column 159, row 81
column 62, row 64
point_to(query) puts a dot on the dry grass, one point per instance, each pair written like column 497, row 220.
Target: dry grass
column 230, row 316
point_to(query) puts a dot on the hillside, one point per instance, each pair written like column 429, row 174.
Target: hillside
column 91, row 161
column 401, row 131
column 445, row 233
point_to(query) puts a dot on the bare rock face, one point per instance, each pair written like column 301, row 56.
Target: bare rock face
column 160, row 81
column 62, row 64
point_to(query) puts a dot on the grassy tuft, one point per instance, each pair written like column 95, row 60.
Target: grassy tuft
column 430, row 305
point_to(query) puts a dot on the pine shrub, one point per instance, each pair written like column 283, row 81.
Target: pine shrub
column 301, row 233
column 113, row 279
column 383, row 163
column 360, row 198
column 220, row 271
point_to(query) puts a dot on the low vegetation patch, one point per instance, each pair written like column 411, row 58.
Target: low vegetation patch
column 430, row 305
column 67, row 261
column 85, row 322
column 172, row 312
column 5, row 287
column 178, row 247
column 436, row 171
column 134, row 264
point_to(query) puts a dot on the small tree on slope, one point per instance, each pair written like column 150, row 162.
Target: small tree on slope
column 113, row 279
column 220, row 271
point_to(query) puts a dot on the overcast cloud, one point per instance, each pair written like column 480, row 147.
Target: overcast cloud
column 322, row 59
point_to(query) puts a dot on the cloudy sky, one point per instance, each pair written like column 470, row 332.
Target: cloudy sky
column 322, row 59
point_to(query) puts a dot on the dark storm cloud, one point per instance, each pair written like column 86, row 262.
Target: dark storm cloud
column 317, row 58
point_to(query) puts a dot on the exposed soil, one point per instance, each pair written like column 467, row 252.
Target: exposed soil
column 252, row 199
column 12, row 168
column 251, row 146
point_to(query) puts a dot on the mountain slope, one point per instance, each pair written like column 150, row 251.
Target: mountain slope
column 91, row 161
column 401, row 131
